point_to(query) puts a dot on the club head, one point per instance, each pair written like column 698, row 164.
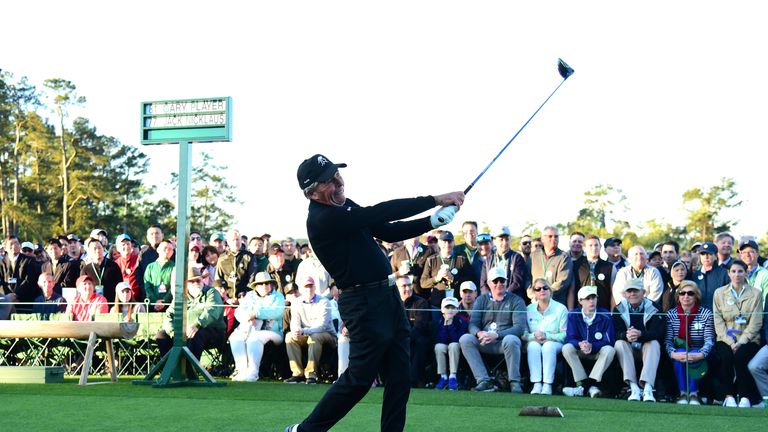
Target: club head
column 564, row 69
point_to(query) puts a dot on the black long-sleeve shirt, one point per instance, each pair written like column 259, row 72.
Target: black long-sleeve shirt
column 342, row 237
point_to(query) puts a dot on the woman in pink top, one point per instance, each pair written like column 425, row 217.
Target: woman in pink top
column 87, row 302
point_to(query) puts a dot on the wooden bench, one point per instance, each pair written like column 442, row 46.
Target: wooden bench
column 75, row 330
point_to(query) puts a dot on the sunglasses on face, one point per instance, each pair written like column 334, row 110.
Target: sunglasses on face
column 543, row 288
column 525, row 243
column 498, row 281
column 686, row 293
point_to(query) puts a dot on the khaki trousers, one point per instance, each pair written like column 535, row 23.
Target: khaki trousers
column 574, row 355
column 314, row 343
column 651, row 352
column 453, row 351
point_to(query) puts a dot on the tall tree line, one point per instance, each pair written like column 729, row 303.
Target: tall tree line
column 63, row 175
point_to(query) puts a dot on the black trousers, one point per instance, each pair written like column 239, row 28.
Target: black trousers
column 205, row 336
column 729, row 361
column 379, row 343
column 421, row 348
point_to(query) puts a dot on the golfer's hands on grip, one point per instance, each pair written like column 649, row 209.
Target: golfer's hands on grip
column 452, row 198
column 450, row 203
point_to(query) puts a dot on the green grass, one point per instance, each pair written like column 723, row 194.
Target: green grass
column 270, row 406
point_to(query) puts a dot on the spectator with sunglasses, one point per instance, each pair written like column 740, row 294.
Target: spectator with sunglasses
column 496, row 324
column 525, row 247
column 547, row 320
column 690, row 338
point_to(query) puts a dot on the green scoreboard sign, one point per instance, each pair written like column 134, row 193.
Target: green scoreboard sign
column 187, row 120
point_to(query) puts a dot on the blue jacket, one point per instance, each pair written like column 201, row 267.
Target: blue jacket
column 447, row 334
column 578, row 330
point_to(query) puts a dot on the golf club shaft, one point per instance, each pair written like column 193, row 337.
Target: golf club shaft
column 471, row 185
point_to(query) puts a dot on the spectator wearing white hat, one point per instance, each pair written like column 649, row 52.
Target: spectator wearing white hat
column 590, row 335
column 450, row 329
column 545, row 334
column 640, row 329
column 311, row 326
column 28, row 249
column 261, row 321
column 496, row 324
column 125, row 304
column 468, row 292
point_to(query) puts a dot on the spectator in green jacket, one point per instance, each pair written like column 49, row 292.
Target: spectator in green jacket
column 205, row 325
column 157, row 277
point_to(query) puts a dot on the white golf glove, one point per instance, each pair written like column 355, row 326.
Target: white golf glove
column 443, row 216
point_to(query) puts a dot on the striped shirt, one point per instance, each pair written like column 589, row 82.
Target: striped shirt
column 702, row 331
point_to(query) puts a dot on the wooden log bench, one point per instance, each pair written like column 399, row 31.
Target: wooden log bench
column 91, row 331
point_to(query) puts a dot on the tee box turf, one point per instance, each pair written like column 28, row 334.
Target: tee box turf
column 31, row 374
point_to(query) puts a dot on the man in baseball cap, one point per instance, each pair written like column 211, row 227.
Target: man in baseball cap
column 709, row 276
column 757, row 275
column 468, row 293
column 591, row 336
column 449, row 330
column 492, row 332
column 316, row 169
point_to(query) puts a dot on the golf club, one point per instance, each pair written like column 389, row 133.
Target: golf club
column 565, row 72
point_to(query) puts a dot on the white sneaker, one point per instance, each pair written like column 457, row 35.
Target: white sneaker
column 573, row 391
column 546, row 389
column 237, row 377
column 536, row 388
column 648, row 395
column 252, row 377
column 730, row 402
column 760, row 405
column 744, row 403
column 594, row 392
column 634, row 395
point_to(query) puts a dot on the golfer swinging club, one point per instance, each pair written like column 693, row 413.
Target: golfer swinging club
column 342, row 236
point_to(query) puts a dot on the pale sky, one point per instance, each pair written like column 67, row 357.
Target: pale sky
column 418, row 96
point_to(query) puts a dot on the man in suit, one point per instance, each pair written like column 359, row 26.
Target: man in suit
column 19, row 274
column 64, row 269
column 594, row 271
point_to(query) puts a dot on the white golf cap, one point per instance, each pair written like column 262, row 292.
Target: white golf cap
column 501, row 231
column 497, row 273
column 467, row 286
column 28, row 245
column 449, row 301
column 587, row 291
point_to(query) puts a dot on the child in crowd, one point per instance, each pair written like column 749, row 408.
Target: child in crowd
column 449, row 329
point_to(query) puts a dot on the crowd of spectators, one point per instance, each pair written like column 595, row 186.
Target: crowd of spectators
column 685, row 325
